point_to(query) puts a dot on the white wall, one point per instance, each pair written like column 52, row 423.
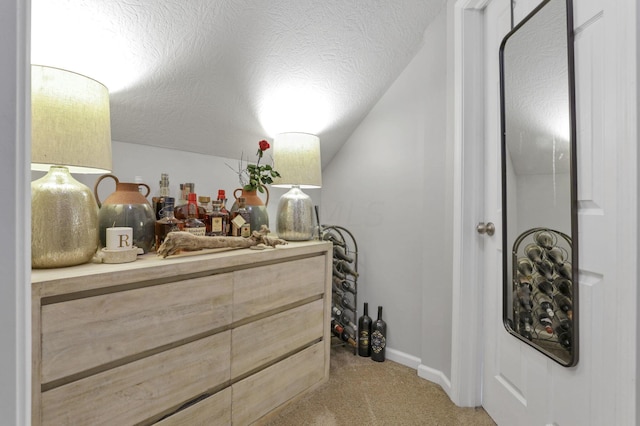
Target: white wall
column 544, row 200
column 15, row 312
column 209, row 173
column 637, row 94
column 390, row 185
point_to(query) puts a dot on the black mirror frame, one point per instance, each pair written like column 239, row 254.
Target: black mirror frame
column 507, row 250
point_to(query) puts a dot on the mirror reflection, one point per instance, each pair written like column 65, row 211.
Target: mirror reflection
column 539, row 182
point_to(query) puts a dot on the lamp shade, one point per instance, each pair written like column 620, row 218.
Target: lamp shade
column 296, row 156
column 70, row 123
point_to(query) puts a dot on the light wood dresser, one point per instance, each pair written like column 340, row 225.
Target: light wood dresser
column 204, row 338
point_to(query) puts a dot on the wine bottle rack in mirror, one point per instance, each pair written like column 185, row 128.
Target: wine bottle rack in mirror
column 344, row 299
column 542, row 310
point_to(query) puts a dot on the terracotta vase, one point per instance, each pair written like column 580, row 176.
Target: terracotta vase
column 254, row 205
column 127, row 206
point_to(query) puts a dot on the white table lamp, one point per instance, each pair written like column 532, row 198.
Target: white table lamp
column 296, row 156
column 70, row 132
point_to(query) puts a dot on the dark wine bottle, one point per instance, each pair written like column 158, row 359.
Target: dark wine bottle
column 337, row 273
column 344, row 268
column 336, row 311
column 378, row 338
column 348, row 323
column 523, row 294
column 526, row 334
column 343, row 302
column 346, row 320
column 337, row 292
column 340, row 286
column 336, row 328
column 545, row 268
column 565, row 270
column 544, row 302
column 343, row 333
column 348, row 286
column 337, row 282
column 544, row 320
column 340, row 253
column 526, row 321
column 563, row 285
column 364, row 333
column 563, row 321
column 564, row 303
column 350, row 333
column 348, row 339
column 546, row 287
column 565, row 339
column 347, row 304
column 328, row 236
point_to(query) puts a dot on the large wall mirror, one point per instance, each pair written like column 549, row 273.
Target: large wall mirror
column 539, row 182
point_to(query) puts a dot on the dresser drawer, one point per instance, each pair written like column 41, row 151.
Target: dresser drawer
column 262, row 392
column 212, row 411
column 260, row 342
column 142, row 389
column 81, row 334
column 261, row 289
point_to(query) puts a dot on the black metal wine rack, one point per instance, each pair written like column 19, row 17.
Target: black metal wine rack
column 543, row 311
column 344, row 294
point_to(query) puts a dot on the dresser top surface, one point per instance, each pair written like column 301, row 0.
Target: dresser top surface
column 150, row 267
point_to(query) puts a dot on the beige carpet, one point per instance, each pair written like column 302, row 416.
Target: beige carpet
column 363, row 392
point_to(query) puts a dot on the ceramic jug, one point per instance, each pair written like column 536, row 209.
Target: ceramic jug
column 127, row 206
column 256, row 207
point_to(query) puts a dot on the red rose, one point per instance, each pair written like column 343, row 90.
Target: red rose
column 264, row 145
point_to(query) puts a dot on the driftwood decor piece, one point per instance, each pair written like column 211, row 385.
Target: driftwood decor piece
column 184, row 241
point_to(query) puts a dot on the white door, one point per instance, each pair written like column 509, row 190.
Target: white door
column 504, row 356
column 520, row 386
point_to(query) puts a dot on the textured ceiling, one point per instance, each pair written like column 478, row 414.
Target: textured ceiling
column 216, row 76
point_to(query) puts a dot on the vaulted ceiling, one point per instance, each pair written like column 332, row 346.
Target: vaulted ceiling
column 216, row 76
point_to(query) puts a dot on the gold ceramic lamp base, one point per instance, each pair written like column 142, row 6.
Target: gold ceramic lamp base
column 64, row 221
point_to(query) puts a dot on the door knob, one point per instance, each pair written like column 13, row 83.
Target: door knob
column 488, row 228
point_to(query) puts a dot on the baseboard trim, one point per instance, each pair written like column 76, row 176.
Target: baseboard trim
column 424, row 372
column 402, row 358
column 437, row 377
